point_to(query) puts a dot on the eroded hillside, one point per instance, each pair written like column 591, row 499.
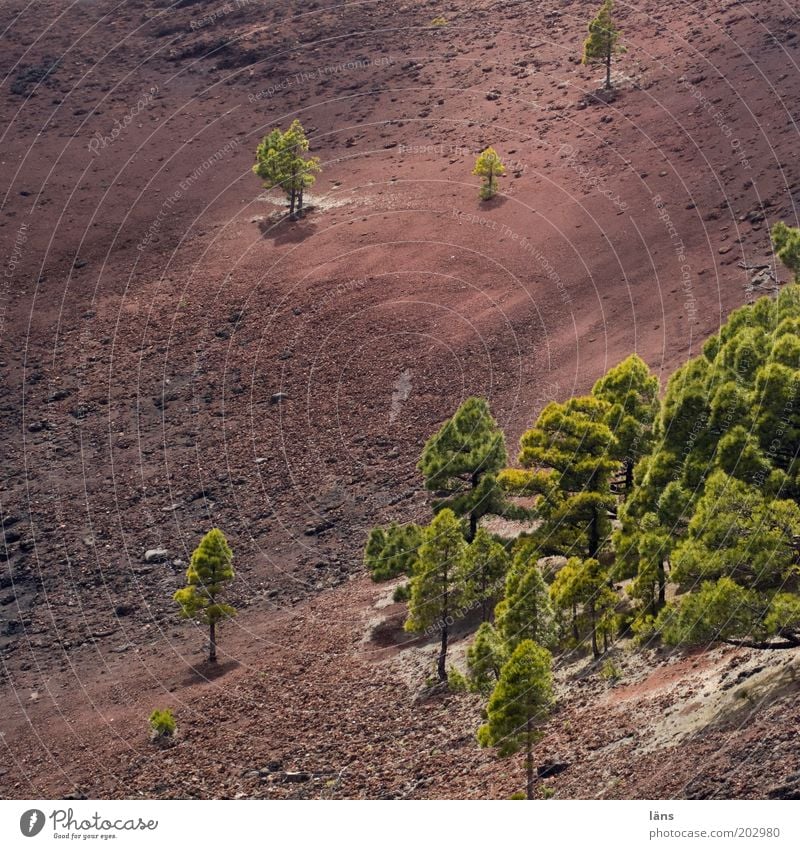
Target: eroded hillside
column 154, row 307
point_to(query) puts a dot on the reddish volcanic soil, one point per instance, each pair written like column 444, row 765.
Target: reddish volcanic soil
column 153, row 304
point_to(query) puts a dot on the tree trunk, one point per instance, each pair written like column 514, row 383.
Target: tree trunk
column 575, row 632
column 484, row 598
column 300, row 203
column 628, row 477
column 473, row 527
column 662, row 585
column 473, row 516
column 212, row 642
column 291, row 201
column 441, row 666
column 593, row 617
column 608, row 66
column 529, row 758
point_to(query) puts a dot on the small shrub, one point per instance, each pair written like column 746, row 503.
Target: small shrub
column 518, row 795
column 456, row 682
column 644, row 628
column 31, row 75
column 546, row 792
column 610, row 671
column 402, row 592
column 439, row 21
column 162, row 726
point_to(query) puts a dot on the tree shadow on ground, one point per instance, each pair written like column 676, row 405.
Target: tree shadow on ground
column 493, row 203
column 389, row 633
column 285, row 230
column 206, row 672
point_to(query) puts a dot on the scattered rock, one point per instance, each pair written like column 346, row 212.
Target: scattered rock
column 295, row 777
column 156, row 555
column 788, row 789
column 550, row 768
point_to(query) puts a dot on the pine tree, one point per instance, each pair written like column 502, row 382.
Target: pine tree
column 519, row 705
column 716, row 610
column 436, row 592
column 568, row 457
column 653, row 547
column 602, row 43
column 632, row 392
column 738, row 560
column 460, row 462
column 281, row 163
column 485, row 566
column 786, row 241
column 485, row 658
column 585, row 583
column 392, row 551
column 738, row 532
column 489, row 166
column 210, row 569
column 525, row 612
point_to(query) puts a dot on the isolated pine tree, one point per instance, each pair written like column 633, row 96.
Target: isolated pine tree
column 460, row 463
column 485, row 565
column 519, row 705
column 281, row 162
column 436, row 590
column 210, row 570
column 602, row 43
column 489, row 166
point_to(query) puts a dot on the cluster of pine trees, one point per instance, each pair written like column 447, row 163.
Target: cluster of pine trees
column 673, row 519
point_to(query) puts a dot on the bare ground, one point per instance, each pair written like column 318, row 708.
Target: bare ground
column 152, row 307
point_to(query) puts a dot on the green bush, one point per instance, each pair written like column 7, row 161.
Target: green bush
column 610, row 671
column 456, row 682
column 402, row 592
column 162, row 725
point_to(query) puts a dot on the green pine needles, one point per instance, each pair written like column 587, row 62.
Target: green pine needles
column 281, row 162
column 602, row 43
column 461, row 461
column 675, row 519
column 519, row 705
column 209, row 572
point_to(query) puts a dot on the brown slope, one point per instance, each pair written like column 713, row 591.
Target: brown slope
column 153, row 369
